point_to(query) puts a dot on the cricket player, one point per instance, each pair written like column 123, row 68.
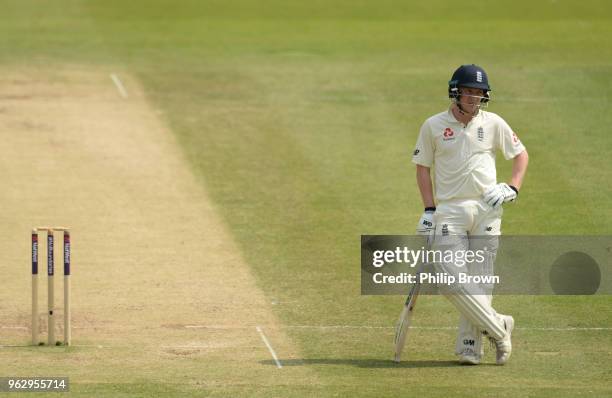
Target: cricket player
column 460, row 144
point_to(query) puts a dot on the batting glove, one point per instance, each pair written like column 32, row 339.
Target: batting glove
column 498, row 194
column 427, row 225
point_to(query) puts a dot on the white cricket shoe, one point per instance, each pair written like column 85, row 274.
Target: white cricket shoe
column 504, row 346
column 469, row 357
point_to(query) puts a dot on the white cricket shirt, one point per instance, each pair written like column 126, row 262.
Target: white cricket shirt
column 463, row 158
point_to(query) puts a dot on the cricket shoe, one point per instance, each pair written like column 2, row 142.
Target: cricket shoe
column 469, row 357
column 503, row 347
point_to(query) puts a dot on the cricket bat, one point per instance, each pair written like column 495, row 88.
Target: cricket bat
column 403, row 324
column 405, row 319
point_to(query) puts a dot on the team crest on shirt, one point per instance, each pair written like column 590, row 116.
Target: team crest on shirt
column 449, row 134
column 480, row 134
column 515, row 139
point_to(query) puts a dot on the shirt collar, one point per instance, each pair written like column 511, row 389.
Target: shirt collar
column 451, row 117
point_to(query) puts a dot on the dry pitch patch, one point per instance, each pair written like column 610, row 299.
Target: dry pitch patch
column 150, row 254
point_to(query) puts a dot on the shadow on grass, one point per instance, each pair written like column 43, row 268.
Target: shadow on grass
column 367, row 363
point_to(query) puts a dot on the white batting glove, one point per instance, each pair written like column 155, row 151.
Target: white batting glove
column 426, row 225
column 498, row 194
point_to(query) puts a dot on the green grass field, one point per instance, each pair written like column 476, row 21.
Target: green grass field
column 299, row 119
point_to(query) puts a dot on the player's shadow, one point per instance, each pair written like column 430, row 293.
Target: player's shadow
column 364, row 363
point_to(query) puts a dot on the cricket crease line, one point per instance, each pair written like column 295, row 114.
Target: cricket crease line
column 199, row 347
column 567, row 329
column 119, row 85
column 332, row 327
column 323, row 327
column 267, row 343
column 121, row 346
column 439, row 327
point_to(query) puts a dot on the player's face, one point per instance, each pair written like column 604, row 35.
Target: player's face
column 470, row 98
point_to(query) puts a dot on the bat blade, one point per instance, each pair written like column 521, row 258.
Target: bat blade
column 405, row 319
